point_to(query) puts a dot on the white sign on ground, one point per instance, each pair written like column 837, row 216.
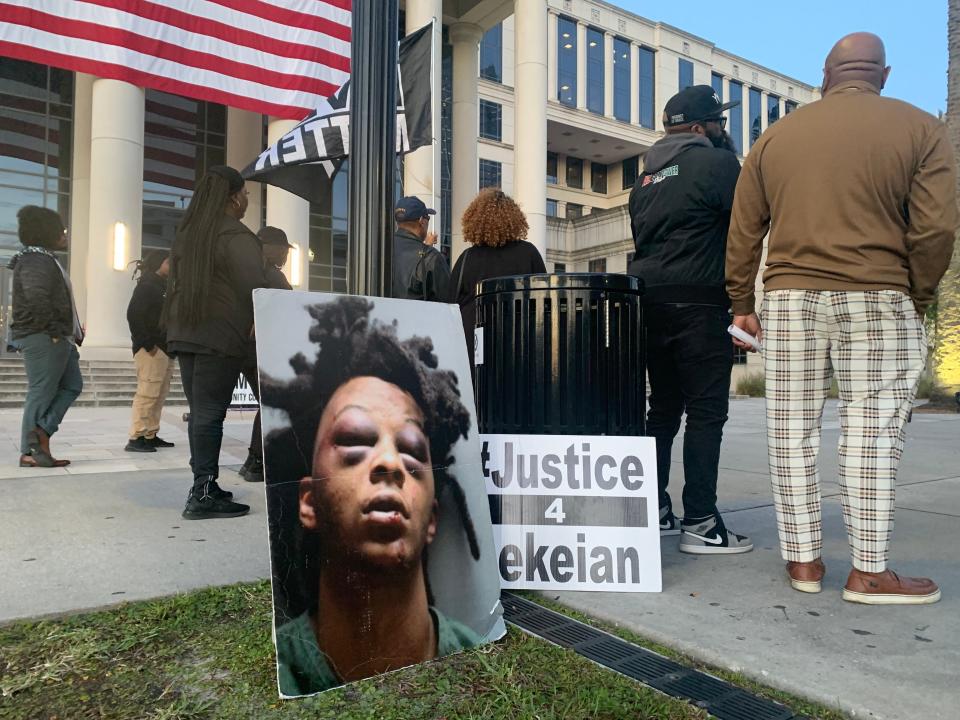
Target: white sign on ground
column 574, row 512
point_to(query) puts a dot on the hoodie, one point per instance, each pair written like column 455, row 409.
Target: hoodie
column 679, row 215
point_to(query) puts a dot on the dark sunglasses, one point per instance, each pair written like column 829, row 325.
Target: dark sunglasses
column 721, row 121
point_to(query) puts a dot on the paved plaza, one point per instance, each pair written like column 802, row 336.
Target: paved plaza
column 108, row 530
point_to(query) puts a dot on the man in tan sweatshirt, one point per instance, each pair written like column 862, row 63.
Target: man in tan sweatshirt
column 857, row 192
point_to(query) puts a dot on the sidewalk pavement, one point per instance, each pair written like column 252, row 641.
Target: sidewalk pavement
column 108, row 529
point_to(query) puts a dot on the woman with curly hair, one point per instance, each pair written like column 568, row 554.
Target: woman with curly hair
column 372, row 426
column 495, row 226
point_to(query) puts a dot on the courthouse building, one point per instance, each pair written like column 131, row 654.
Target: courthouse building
column 555, row 101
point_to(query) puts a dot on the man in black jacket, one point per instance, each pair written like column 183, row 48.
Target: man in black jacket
column 420, row 272
column 680, row 213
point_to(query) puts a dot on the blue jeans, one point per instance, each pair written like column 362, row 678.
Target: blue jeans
column 54, row 382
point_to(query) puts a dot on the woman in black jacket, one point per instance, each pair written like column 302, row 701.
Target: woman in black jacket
column 496, row 227
column 46, row 330
column 154, row 366
column 215, row 266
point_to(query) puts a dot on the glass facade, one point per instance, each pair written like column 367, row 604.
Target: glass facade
column 574, row 172
column 754, row 117
column 686, row 73
column 36, row 144
column 328, row 236
column 598, row 178
column 735, row 125
column 647, row 93
column 567, row 61
column 491, row 120
column 716, row 81
column 789, row 106
column 621, row 79
column 182, row 138
column 559, row 267
column 490, row 173
column 552, row 168
column 773, row 109
column 631, row 171
column 595, row 68
column 551, row 208
column 574, row 210
column 598, row 265
column 491, row 54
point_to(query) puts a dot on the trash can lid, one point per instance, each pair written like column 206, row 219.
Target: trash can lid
column 610, row 282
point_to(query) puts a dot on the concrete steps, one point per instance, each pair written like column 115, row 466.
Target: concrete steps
column 106, row 383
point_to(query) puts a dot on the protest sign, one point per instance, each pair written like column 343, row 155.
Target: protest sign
column 574, row 512
column 381, row 548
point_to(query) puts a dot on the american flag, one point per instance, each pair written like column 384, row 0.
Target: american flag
column 277, row 57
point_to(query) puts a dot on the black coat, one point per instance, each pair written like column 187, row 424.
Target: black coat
column 237, row 272
column 680, row 214
column 41, row 298
column 481, row 262
column 144, row 311
column 420, row 272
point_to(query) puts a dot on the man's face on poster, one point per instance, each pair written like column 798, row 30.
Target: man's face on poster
column 371, row 498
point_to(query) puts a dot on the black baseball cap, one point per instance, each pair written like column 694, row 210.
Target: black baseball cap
column 692, row 104
column 411, row 208
column 270, row 235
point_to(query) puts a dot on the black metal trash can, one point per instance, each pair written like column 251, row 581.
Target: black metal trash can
column 562, row 355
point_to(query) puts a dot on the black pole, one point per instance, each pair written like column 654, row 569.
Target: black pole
column 373, row 160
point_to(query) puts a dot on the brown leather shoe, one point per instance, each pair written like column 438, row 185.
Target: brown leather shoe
column 888, row 588
column 806, row 576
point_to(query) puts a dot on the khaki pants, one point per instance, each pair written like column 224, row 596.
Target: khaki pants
column 153, row 383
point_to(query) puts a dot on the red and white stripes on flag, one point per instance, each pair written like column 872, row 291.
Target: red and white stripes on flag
column 277, row 57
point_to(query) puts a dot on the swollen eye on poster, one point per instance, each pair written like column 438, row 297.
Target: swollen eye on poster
column 574, row 512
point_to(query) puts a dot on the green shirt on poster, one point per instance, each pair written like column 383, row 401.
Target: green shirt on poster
column 303, row 669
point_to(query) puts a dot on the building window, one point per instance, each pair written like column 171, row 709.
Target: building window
column 552, row 168
column 182, row 138
column 490, row 173
column 686, row 74
column 567, row 61
column 716, row 81
column 597, row 266
column 789, row 106
column 739, row 356
column 491, row 120
column 328, row 236
column 36, row 144
column 559, row 267
column 736, row 116
column 621, row 79
column 631, row 170
column 574, row 210
column 491, row 54
column 773, row 109
column 551, row 208
column 647, row 88
column 595, row 68
column 598, row 178
column 574, row 172
column 755, row 113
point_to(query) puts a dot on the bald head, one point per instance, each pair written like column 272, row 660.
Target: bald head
column 859, row 56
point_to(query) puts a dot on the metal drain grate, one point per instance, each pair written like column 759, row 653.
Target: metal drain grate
column 719, row 698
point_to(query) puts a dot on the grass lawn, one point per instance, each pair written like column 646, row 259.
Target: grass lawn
column 208, row 654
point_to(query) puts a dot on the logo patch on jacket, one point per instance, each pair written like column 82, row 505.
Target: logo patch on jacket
column 671, row 171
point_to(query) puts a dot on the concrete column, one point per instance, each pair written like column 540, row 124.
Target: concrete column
column 581, row 66
column 465, row 38
column 79, row 220
column 291, row 214
column 745, row 114
column 764, row 118
column 530, row 146
column 116, row 212
column 552, row 31
column 634, row 84
column 608, row 74
column 421, row 168
column 244, row 144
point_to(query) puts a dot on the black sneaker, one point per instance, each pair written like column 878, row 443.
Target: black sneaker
column 159, row 442
column 252, row 470
column 710, row 537
column 218, row 491
column 140, row 444
column 204, row 504
column 669, row 524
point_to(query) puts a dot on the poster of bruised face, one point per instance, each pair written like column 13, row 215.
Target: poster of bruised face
column 381, row 546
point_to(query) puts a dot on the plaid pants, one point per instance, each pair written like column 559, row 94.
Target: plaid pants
column 875, row 344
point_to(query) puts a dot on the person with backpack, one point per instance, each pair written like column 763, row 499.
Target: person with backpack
column 420, row 272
